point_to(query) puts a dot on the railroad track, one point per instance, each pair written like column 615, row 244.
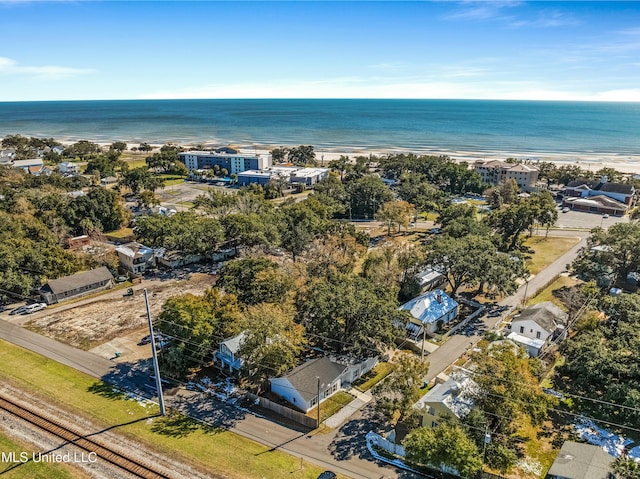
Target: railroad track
column 133, row 466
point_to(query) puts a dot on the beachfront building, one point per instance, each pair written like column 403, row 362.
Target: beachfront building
column 309, row 176
column 264, row 176
column 231, row 160
column 495, row 172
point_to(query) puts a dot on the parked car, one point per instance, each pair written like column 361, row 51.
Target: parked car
column 565, row 209
column 32, row 308
column 328, row 475
column 435, row 231
column 2, row 309
column 18, row 310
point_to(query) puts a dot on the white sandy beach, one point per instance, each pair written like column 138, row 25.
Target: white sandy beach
column 589, row 161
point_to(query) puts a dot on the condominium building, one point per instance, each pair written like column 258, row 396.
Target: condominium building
column 495, row 172
column 234, row 163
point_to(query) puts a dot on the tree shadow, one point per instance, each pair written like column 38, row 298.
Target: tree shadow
column 176, row 424
column 350, row 440
column 106, row 390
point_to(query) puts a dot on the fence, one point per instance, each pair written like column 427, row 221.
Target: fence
column 284, row 411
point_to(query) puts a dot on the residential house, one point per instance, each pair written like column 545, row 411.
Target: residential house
column 78, row 242
column 26, row 164
column 581, row 461
column 40, row 170
column 135, row 257
column 599, row 196
column 264, row 176
column 67, row 167
column 76, row 285
column 430, row 311
column 175, row 259
column 495, row 172
column 7, row 154
column 335, row 373
column 226, row 355
column 429, row 279
column 537, row 326
column 229, row 159
column 314, row 380
column 109, row 180
column 454, row 397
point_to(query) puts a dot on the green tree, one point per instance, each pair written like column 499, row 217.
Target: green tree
column 272, row 342
column 366, row 195
column 396, row 212
column 82, row 149
column 445, row 446
column 194, row 324
column 102, row 207
column 118, row 146
column 279, row 155
column 341, row 165
column 255, row 280
column 302, row 155
column 626, row 468
column 347, row 314
column 396, row 395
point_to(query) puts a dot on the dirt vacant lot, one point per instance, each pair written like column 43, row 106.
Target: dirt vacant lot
column 109, row 316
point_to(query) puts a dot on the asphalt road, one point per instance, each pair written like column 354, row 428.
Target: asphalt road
column 340, row 450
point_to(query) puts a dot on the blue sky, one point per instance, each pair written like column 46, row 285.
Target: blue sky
column 303, row 49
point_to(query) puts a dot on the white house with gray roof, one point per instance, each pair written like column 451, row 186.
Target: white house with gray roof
column 537, row 326
column 135, row 257
column 76, row 285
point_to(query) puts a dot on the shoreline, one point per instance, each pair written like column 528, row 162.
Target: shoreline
column 622, row 162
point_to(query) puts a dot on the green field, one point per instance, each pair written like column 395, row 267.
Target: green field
column 547, row 250
column 30, row 469
column 175, row 436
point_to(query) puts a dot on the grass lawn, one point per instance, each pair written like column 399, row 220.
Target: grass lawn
column 331, row 406
column 547, row 293
column 174, row 181
column 121, row 233
column 177, row 437
column 377, row 374
column 546, row 250
column 30, row 469
column 187, row 204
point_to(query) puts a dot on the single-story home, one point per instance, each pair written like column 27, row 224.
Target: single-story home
column 76, row 285
column 299, row 387
column 109, row 180
column 26, row 164
column 78, row 242
column 454, row 397
column 135, row 257
column 581, row 461
column 537, row 326
column 429, row 279
column 430, row 312
column 596, row 204
column 226, row 357
column 175, row 259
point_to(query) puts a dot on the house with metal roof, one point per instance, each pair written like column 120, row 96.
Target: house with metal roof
column 76, row 285
column 581, row 461
column 430, row 311
column 454, row 397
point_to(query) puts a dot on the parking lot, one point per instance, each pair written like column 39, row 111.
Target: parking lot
column 583, row 219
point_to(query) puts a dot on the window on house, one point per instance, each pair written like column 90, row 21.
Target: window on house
column 431, row 411
column 434, row 424
column 538, row 335
column 522, row 329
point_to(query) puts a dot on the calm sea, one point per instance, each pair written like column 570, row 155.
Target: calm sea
column 418, row 125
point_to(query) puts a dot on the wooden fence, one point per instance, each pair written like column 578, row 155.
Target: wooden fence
column 284, row 411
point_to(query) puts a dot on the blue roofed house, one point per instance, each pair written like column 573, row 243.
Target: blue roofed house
column 430, row 311
column 226, row 355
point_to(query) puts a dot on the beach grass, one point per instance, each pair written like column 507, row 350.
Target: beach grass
column 176, row 437
column 546, row 250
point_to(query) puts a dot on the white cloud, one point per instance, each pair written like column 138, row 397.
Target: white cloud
column 9, row 66
column 408, row 89
column 547, row 19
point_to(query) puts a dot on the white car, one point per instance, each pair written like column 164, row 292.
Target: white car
column 32, row 308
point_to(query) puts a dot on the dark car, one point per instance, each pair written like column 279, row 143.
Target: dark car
column 328, row 475
column 2, row 309
column 19, row 310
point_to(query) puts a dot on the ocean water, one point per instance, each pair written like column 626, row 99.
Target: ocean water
column 416, row 125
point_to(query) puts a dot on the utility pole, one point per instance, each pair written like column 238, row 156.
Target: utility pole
column 424, row 338
column 154, row 355
column 318, row 420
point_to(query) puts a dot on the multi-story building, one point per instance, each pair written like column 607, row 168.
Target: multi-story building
column 234, row 163
column 496, row 172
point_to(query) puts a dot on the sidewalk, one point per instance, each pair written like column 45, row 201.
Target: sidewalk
column 346, row 412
